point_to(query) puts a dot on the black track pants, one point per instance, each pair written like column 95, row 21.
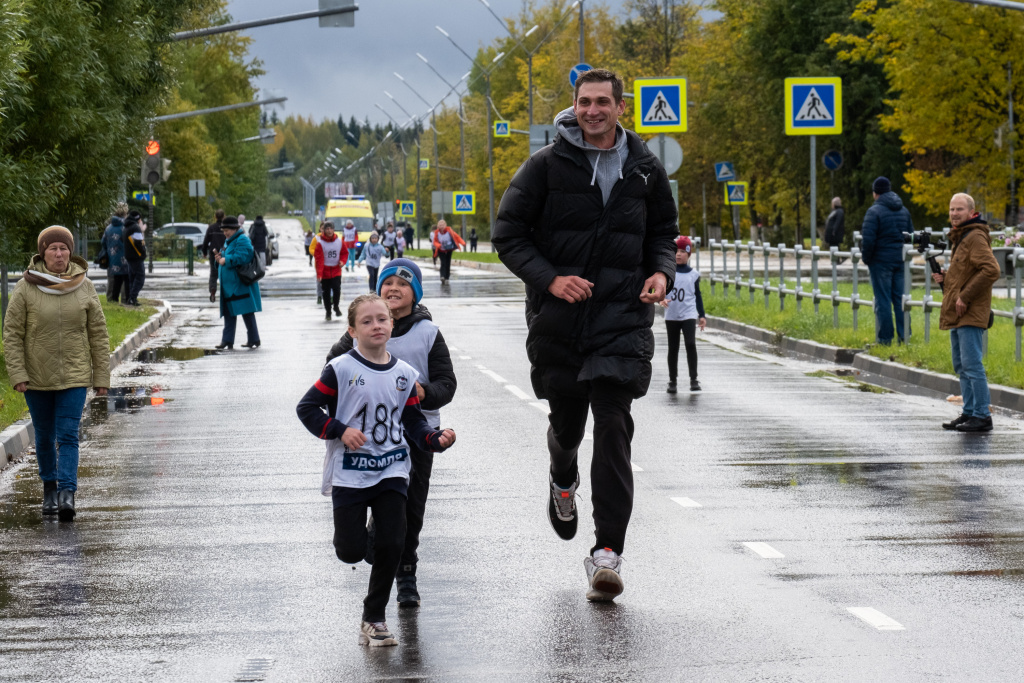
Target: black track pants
column 332, row 288
column 416, row 506
column 689, row 330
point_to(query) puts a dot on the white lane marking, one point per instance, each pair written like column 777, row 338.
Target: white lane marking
column 542, row 407
column 519, row 393
column 636, row 468
column 687, row 502
column 876, row 619
column 490, row 373
column 465, row 358
column 587, row 436
column 764, row 550
column 452, row 348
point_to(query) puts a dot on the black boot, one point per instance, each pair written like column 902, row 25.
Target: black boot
column 66, row 505
column 49, row 497
column 408, row 595
column 976, row 424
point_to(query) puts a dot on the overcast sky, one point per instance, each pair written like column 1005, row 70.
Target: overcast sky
column 329, row 71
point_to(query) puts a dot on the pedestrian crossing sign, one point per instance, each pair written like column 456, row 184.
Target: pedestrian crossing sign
column 501, row 129
column 736, row 193
column 142, row 197
column 814, row 106
column 424, row 164
column 407, row 209
column 659, row 105
column 463, row 202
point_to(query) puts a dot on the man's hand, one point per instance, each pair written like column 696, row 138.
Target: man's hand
column 938, row 277
column 571, row 288
column 353, row 439
column 101, row 391
column 421, row 393
column 447, row 438
column 961, row 307
column 654, row 289
column 702, row 323
column 21, row 387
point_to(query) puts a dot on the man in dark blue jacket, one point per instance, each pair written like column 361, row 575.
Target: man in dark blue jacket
column 882, row 250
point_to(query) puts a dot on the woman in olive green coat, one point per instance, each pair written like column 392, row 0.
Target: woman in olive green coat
column 56, row 347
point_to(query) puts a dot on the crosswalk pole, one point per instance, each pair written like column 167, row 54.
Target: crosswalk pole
column 814, row 191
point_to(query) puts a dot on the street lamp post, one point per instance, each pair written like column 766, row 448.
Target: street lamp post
column 490, row 126
column 418, row 154
column 433, row 125
column 529, row 54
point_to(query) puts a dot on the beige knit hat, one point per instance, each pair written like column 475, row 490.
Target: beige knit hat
column 56, row 233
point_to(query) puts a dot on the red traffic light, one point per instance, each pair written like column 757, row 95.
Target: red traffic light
column 152, row 147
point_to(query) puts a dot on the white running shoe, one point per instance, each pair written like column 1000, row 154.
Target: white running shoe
column 376, row 634
column 603, row 571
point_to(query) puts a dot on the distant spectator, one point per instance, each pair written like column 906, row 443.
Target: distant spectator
column 135, row 255
column 307, row 241
column 882, row 251
column 835, row 226
column 967, row 309
column 56, row 347
column 236, row 297
column 410, row 235
column 472, row 239
column 258, row 235
column 212, row 245
column 112, row 249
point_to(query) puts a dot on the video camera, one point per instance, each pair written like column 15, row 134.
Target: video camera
column 922, row 241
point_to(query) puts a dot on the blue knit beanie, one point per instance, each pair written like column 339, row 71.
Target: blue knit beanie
column 881, row 185
column 405, row 269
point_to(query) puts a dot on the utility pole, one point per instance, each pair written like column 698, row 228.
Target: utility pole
column 582, row 60
column 462, row 147
column 1011, row 218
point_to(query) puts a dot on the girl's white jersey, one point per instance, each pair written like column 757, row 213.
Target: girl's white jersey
column 682, row 301
column 349, row 234
column 388, row 238
column 371, row 398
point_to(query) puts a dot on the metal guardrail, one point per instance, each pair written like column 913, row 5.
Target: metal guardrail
column 733, row 275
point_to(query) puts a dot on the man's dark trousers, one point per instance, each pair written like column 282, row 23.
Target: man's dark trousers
column 887, row 283
column 611, row 474
column 136, row 279
column 213, row 275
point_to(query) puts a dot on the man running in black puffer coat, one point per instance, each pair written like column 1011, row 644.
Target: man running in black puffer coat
column 588, row 223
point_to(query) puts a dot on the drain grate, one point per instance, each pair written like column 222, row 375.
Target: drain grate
column 255, row 669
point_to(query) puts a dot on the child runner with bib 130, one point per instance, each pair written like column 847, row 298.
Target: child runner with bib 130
column 372, row 405
column 685, row 313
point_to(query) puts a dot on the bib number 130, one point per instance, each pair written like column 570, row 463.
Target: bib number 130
column 384, row 426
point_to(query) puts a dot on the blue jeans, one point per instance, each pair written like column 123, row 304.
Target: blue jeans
column 887, row 283
column 252, row 335
column 965, row 343
column 56, row 416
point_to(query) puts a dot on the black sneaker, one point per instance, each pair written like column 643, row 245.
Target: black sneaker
column 328, row 316
column 408, row 596
column 562, row 509
column 953, row 424
column 319, row 300
column 975, row 424
column 694, row 385
column 671, row 389
column 337, row 311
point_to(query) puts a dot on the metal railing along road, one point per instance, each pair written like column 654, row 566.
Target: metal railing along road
column 740, row 274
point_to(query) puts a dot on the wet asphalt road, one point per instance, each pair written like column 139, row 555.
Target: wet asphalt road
column 202, row 549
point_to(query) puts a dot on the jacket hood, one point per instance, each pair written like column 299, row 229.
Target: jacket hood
column 402, row 325
column 971, row 224
column 78, row 266
column 890, row 200
column 116, row 220
column 607, row 163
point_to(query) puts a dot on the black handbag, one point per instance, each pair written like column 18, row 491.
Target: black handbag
column 252, row 271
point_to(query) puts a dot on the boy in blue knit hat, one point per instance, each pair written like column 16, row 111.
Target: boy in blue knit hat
column 417, row 340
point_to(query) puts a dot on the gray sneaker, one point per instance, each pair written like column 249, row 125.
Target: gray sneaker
column 376, row 634
column 603, row 572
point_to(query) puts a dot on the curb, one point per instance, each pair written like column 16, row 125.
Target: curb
column 16, row 439
column 1001, row 396
column 478, row 265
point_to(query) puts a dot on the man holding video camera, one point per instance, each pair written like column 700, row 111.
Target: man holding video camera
column 967, row 309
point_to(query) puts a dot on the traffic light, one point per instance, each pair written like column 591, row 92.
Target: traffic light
column 152, row 166
column 165, row 172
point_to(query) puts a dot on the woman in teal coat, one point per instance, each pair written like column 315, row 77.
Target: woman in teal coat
column 236, row 298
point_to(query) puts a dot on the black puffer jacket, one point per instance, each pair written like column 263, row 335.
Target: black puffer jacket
column 258, row 235
column 552, row 221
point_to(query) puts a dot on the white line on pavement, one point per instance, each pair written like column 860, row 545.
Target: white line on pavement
column 465, row 358
column 876, row 618
column 764, row 550
column 490, row 373
column 637, row 468
column 587, row 436
column 687, row 502
column 519, row 393
column 542, row 407
column 452, row 348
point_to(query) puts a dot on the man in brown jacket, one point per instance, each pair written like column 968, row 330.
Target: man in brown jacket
column 966, row 308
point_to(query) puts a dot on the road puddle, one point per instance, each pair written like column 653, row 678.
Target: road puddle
column 122, row 400
column 162, row 353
